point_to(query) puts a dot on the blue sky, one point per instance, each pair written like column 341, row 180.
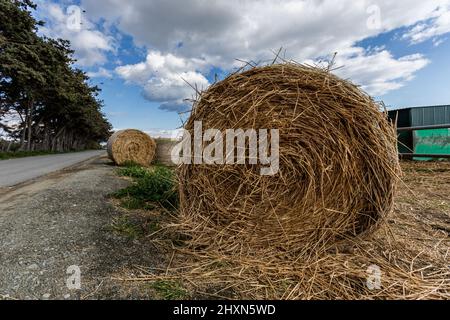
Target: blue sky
column 139, row 51
column 431, row 85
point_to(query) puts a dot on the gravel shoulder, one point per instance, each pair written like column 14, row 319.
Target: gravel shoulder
column 65, row 219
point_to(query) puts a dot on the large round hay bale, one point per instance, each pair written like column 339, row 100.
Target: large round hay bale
column 164, row 148
column 337, row 172
column 131, row 146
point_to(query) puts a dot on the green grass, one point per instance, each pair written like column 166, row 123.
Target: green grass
column 127, row 228
column 23, row 154
column 133, row 171
column 151, row 186
column 169, row 290
column 131, row 203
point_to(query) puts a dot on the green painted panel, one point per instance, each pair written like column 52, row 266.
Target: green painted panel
column 436, row 141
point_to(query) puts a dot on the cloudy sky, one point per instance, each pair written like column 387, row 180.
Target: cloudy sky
column 142, row 52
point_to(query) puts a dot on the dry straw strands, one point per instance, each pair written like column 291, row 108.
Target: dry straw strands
column 131, row 146
column 338, row 163
column 314, row 230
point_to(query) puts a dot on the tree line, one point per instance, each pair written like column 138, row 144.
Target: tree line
column 54, row 106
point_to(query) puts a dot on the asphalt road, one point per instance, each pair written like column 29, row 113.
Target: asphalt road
column 15, row 171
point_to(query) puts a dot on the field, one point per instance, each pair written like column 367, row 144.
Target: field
column 424, row 194
column 130, row 247
column 411, row 248
column 422, row 209
column 23, row 154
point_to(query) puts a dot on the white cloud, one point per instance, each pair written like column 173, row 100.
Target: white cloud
column 90, row 44
column 437, row 25
column 378, row 71
column 185, row 40
column 166, row 78
column 100, row 73
column 173, row 134
column 249, row 29
column 163, row 133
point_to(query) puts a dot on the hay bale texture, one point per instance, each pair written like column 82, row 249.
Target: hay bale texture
column 164, row 148
column 131, row 146
column 338, row 163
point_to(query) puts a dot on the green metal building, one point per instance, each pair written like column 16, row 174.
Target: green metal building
column 430, row 141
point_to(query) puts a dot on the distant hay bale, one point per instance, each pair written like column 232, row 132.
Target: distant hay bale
column 164, row 148
column 338, row 163
column 131, row 146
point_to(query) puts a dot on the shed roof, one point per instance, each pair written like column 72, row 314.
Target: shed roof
column 416, row 107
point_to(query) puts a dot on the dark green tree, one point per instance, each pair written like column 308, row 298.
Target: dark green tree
column 58, row 109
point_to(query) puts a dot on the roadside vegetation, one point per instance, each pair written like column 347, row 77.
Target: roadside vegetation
column 23, row 154
column 169, row 290
column 151, row 187
column 152, row 202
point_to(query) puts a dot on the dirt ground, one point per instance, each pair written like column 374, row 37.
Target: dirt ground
column 421, row 216
column 424, row 195
column 68, row 218
column 412, row 247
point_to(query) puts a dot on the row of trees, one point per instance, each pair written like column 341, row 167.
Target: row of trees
column 53, row 105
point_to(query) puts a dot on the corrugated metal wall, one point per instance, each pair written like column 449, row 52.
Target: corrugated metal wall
column 428, row 116
column 435, row 141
